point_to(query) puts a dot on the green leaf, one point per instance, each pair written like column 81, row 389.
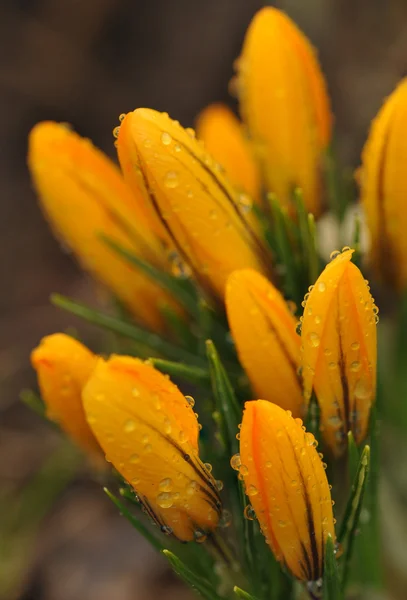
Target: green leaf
column 353, row 457
column 135, row 522
column 226, row 401
column 350, row 521
column 199, row 584
column 180, row 289
column 129, row 330
column 331, row 582
column 34, row 402
column 242, row 594
column 307, row 238
column 190, row 373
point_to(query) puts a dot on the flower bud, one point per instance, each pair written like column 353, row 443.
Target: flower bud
column 63, row 366
column 224, row 139
column 264, row 333
column 149, row 432
column 384, row 188
column 83, row 195
column 339, row 351
column 208, row 223
column 287, row 486
column 284, row 103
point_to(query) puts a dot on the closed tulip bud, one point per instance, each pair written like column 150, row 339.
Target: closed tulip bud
column 208, row 223
column 224, row 138
column 149, row 432
column 339, row 351
column 384, row 188
column 83, row 195
column 63, row 366
column 268, row 346
column 284, row 103
column 287, row 487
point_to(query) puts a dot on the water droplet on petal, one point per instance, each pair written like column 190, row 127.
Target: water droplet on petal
column 171, row 179
column 252, row 490
column 235, row 462
column 165, row 485
column 334, row 254
column 249, row 513
column 164, row 500
column 129, row 426
column 321, row 287
column 313, row 339
column 190, row 400
column 166, row 139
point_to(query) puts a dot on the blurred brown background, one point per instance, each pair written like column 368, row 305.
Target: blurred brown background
column 85, row 62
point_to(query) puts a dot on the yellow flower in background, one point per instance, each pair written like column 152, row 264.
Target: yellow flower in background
column 208, row 224
column 339, row 351
column 83, row 195
column 287, row 487
column 63, row 366
column 284, row 103
column 149, row 432
column 268, row 346
column 384, row 188
column 224, row 139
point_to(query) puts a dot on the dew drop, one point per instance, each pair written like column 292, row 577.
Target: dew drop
column 116, row 131
column 282, row 523
column 166, row 139
column 249, row 513
column 252, row 490
column 219, row 485
column 208, row 467
column 167, row 426
column 244, row 202
column 129, row 426
column 190, row 401
column 355, row 366
column 298, row 328
column 334, row 254
column 313, row 339
column 363, row 389
column 192, row 487
column 235, row 462
column 243, row 470
column 164, row 500
column 165, row 485
column 134, row 459
column 171, row 179
column 345, row 248
column 190, row 132
column 321, row 287
column 166, row 530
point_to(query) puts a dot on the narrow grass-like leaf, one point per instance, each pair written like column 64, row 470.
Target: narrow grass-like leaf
column 176, row 287
column 226, row 401
column 129, row 330
column 353, row 457
column 196, row 375
column 135, row 522
column 34, row 402
column 242, row 594
column 346, row 536
column 332, row 589
column 199, row 584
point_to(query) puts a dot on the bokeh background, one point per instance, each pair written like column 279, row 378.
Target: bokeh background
column 85, row 62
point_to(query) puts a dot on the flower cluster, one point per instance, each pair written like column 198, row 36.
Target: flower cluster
column 211, row 235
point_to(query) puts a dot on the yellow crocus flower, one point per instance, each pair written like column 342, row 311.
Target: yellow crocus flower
column 284, row 103
column 149, row 432
column 208, row 224
column 83, row 195
column 63, row 366
column 287, row 487
column 384, row 188
column 339, row 349
column 224, row 138
column 268, row 346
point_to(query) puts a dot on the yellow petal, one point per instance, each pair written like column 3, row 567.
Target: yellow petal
column 196, row 204
column 287, row 487
column 384, row 188
column 83, row 195
column 339, row 351
column 224, row 139
column 285, row 105
column 150, row 434
column 63, row 366
column 264, row 333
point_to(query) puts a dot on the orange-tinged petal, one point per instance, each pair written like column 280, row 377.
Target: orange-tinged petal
column 149, row 432
column 224, row 138
column 63, row 366
column 285, row 105
column 339, row 351
column 384, row 188
column 195, row 202
column 287, row 486
column 83, row 195
column 264, row 333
